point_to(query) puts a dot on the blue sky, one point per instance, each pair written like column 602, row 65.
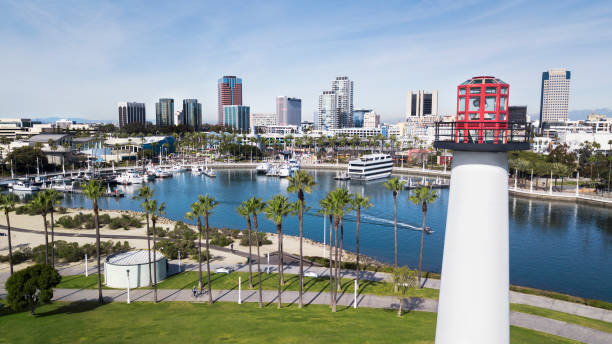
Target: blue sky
column 80, row 58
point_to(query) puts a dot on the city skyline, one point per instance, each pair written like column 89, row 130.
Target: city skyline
column 84, row 66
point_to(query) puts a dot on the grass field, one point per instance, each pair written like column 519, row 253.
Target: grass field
column 182, row 322
column 569, row 318
column 187, row 280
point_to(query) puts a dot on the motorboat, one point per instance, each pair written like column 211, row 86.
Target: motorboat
column 130, row 177
column 178, row 168
column 196, row 170
column 24, row 186
column 262, row 168
column 210, row 172
column 62, row 187
column 272, row 172
column 162, row 173
column 343, row 175
column 284, row 171
column 294, row 165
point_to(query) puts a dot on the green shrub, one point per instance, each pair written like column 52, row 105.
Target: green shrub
column 221, row 240
column 236, row 233
column 19, row 256
column 125, row 222
column 170, row 248
column 182, row 231
column 263, row 239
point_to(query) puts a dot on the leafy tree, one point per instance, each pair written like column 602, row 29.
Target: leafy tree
column 404, row 278
column 32, row 286
column 276, row 209
column 423, row 197
column 7, row 204
column 94, row 190
column 24, row 159
column 301, row 182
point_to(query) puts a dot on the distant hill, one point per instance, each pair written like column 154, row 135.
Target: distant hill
column 582, row 114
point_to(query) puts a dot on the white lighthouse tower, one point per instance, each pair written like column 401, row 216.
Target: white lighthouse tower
column 474, row 292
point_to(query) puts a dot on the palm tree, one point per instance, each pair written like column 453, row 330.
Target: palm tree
column 254, row 207
column 145, row 194
column 40, row 204
column 276, row 209
column 327, row 210
column 301, row 182
column 156, row 212
column 94, row 190
column 196, row 214
column 245, row 212
column 7, row 204
column 53, row 197
column 340, row 199
column 395, row 185
column 359, row 202
column 423, row 196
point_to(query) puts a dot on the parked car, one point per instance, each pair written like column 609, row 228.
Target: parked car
column 2, row 234
column 311, row 274
column 224, row 270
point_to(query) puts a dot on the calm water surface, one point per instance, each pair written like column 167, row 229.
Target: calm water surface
column 556, row 246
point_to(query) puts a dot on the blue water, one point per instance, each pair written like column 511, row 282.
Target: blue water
column 555, row 246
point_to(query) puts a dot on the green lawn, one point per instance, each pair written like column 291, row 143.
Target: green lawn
column 183, row 322
column 187, row 280
column 569, row 318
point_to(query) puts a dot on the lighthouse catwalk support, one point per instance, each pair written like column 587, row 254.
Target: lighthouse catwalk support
column 474, row 291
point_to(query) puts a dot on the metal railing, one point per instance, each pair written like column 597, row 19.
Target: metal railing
column 483, row 132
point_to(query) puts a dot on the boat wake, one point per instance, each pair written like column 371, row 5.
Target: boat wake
column 387, row 221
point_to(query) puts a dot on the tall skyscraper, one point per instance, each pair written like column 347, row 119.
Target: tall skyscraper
column 236, row 117
column 421, row 103
column 229, row 93
column 288, row 110
column 164, row 112
column 131, row 112
column 343, row 87
column 554, row 100
column 192, row 113
column 328, row 118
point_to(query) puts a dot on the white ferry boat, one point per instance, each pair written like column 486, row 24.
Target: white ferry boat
column 262, row 168
column 370, row 167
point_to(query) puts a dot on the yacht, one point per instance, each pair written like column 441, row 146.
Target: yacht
column 62, row 187
column 294, row 165
column 262, row 168
column 284, row 171
column 178, row 168
column 130, row 177
column 162, row 173
column 24, row 186
column 272, row 171
column 210, row 172
column 342, row 176
column 370, row 167
column 196, row 170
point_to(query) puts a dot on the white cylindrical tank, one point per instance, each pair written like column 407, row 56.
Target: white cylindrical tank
column 474, row 292
column 116, row 267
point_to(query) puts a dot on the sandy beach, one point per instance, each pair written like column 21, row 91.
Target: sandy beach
column 35, row 222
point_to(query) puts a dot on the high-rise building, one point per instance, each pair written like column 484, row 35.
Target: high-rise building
column 229, row 93
column 517, row 113
column 371, row 120
column 288, row 110
column 358, row 117
column 554, row 100
column 236, row 117
column 192, row 112
column 179, row 117
column 343, row 87
column 328, row 118
column 131, row 112
column 164, row 112
column 421, row 103
column 263, row 119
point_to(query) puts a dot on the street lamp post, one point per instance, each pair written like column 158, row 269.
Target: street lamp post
column 128, row 286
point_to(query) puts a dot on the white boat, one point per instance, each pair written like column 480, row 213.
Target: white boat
column 370, row 167
column 284, row 171
column 343, row 175
column 262, row 168
column 272, row 171
column 130, row 177
column 62, row 187
column 210, row 172
column 294, row 165
column 178, row 168
column 159, row 173
column 23, row 186
column 196, row 170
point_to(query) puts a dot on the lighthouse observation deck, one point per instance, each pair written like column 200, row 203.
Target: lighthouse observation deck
column 483, row 136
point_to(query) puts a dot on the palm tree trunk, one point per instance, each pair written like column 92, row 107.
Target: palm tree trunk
column 52, row 241
column 258, row 259
column 357, row 248
column 401, row 303
column 336, row 223
column 10, row 245
column 421, row 250
column 250, row 264
column 200, row 284
column 210, row 300
column 97, row 224
column 154, row 265
column 281, row 258
column 331, row 261
column 395, row 228
column 46, row 239
column 278, row 231
column 339, row 275
column 149, row 248
column 301, row 215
